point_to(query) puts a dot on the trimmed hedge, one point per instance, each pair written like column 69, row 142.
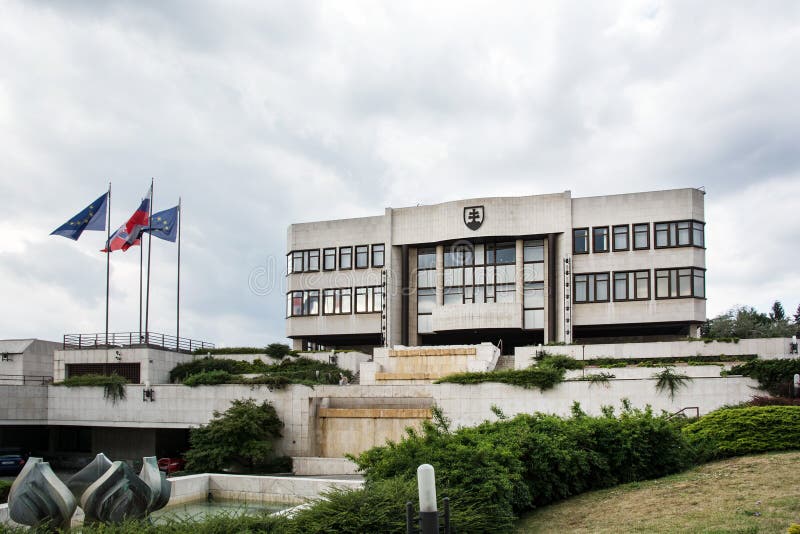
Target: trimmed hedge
column 508, row 467
column 747, row 430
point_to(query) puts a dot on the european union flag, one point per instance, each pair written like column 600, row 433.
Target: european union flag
column 93, row 217
column 164, row 224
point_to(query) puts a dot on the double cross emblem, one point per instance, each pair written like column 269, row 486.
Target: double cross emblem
column 473, row 217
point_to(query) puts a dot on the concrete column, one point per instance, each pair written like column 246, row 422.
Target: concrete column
column 551, row 289
column 297, row 344
column 404, row 296
column 440, row 274
column 519, row 269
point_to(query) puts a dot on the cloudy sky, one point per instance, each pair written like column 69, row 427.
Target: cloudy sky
column 260, row 114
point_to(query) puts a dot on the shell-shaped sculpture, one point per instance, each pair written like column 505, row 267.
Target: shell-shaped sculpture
column 38, row 497
column 160, row 487
column 116, row 496
column 87, row 476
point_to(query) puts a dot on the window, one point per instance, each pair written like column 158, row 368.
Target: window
column 483, row 273
column 337, row 301
column 345, row 257
column 533, row 260
column 680, row 283
column 369, row 299
column 362, row 256
column 378, row 255
column 591, row 287
column 631, row 285
column 600, row 239
column 641, row 236
column 426, row 289
column 679, row 234
column 302, row 303
column 698, row 234
column 533, row 305
column 621, row 237
column 329, row 259
column 580, row 241
column 299, row 261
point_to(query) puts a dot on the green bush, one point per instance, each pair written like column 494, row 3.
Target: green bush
column 660, row 362
column 542, row 378
column 242, row 436
column 5, row 486
column 279, row 350
column 774, row 376
column 225, row 371
column 210, row 378
column 548, row 372
column 746, row 430
column 510, row 466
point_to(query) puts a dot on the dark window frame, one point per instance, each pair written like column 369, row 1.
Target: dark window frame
column 675, row 243
column 338, row 298
column 588, row 239
column 372, row 255
column 594, row 288
column 628, row 289
column 349, row 255
column 305, row 302
column 677, row 280
column 608, row 240
column 325, row 257
column 355, row 256
column 647, row 236
column 370, row 299
column 305, row 261
column 627, row 228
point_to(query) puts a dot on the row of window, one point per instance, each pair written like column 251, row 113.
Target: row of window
column 635, row 285
column 303, row 261
column 335, row 301
column 637, row 236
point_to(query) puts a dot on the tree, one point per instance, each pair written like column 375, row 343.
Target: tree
column 747, row 322
column 278, row 350
column 777, row 313
column 241, row 436
column 797, row 315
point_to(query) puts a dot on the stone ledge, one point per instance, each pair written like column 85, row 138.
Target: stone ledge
column 410, row 376
column 462, row 351
column 375, row 413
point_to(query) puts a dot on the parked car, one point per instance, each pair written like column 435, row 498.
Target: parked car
column 171, row 465
column 11, row 463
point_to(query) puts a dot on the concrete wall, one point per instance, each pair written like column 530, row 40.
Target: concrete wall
column 763, row 348
column 415, row 365
column 154, row 364
column 248, row 488
column 316, row 466
column 29, row 361
column 23, row 405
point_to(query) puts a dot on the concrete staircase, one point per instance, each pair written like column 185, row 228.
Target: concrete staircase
column 505, row 363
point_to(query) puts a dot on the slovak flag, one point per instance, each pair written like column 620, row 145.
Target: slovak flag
column 129, row 234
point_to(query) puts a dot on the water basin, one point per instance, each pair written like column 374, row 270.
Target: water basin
column 199, row 510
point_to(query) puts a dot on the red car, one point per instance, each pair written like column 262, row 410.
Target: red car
column 171, row 465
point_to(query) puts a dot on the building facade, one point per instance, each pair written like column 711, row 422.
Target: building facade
column 516, row 270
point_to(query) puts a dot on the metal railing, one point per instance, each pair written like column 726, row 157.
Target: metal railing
column 133, row 339
column 25, row 380
column 682, row 412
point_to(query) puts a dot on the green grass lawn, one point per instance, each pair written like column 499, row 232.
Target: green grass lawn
column 752, row 494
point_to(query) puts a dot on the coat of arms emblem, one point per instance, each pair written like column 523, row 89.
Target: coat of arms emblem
column 473, row 217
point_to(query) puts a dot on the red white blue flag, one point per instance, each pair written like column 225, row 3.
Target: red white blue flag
column 129, row 234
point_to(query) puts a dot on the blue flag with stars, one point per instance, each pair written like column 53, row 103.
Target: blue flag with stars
column 164, row 224
column 93, row 217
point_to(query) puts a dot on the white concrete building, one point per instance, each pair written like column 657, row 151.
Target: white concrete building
column 524, row 270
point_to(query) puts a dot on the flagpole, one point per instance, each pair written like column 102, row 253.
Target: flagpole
column 108, row 255
column 178, row 315
column 141, row 264
column 149, row 248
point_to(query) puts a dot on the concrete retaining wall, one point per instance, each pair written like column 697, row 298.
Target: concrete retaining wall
column 315, row 466
column 763, row 348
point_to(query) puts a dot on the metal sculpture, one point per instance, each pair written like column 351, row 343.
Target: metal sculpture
column 108, row 492
column 37, row 497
